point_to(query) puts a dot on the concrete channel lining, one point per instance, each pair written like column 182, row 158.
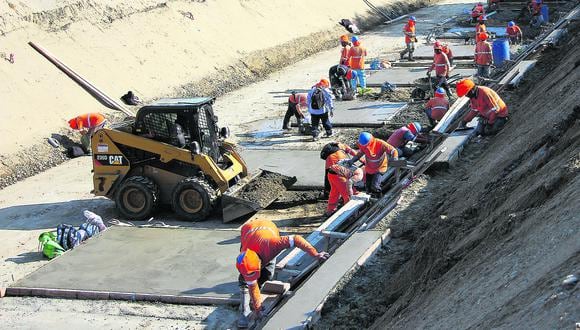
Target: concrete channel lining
column 406, row 77
column 364, row 112
column 153, row 264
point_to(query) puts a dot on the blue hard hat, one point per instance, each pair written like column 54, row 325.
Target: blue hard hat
column 440, row 90
column 354, row 38
column 412, row 18
column 511, row 23
column 364, row 138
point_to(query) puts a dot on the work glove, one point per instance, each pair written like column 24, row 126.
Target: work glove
column 322, row 255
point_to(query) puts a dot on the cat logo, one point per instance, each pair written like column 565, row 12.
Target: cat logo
column 111, row 160
column 116, row 160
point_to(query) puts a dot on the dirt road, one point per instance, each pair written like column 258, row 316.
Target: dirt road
column 61, row 194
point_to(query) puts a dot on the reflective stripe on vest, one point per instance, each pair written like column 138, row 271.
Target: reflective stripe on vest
column 439, row 107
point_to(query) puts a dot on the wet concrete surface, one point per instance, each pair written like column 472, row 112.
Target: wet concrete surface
column 405, row 77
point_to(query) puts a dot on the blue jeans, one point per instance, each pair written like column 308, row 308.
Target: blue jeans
column 361, row 77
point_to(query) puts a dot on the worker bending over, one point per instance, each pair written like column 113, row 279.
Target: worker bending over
column 376, row 153
column 337, row 175
column 477, row 11
column 442, row 68
column 260, row 244
column 483, row 56
column 87, row 124
column 485, row 103
column 409, row 133
column 436, row 107
column 297, row 102
column 342, row 79
column 320, row 106
column 514, row 33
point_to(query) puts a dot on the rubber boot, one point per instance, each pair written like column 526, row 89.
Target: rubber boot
column 245, row 310
column 301, row 127
column 411, row 59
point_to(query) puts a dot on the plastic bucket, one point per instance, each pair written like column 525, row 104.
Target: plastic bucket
column 545, row 10
column 501, row 51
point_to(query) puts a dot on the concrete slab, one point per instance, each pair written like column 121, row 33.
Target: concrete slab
column 454, row 144
column 128, row 261
column 305, row 165
column 459, row 51
column 406, row 77
column 303, row 305
column 364, row 112
column 499, row 31
column 517, row 73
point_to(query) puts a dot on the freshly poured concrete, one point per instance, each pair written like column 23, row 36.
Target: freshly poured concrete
column 358, row 112
column 406, row 76
column 499, row 31
column 459, row 51
column 180, row 262
column 305, row 165
column 302, row 305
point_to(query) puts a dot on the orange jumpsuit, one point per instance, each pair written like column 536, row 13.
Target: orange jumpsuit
column 338, row 178
column 487, row 104
column 440, row 64
column 376, row 155
column 263, row 237
column 356, row 57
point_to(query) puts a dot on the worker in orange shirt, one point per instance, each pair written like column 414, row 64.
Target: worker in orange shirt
column 477, row 11
column 410, row 38
column 260, row 244
column 485, row 103
column 483, row 56
column 441, row 66
column 480, row 26
column 376, row 153
column 447, row 51
column 87, row 124
column 514, row 33
column 337, row 175
column 356, row 59
column 436, row 107
column 345, row 48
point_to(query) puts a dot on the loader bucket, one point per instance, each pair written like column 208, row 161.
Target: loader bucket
column 254, row 193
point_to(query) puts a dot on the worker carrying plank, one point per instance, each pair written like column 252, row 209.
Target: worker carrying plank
column 260, row 244
column 408, row 133
column 485, row 103
column 87, row 124
column 441, row 66
column 377, row 153
column 436, row 107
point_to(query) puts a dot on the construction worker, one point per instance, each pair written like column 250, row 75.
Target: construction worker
column 407, row 133
column 260, row 244
column 345, row 48
column 441, row 66
column 87, row 124
column 356, row 59
column 320, row 106
column 436, row 107
column 483, row 56
column 535, row 9
column 297, row 102
column 447, row 51
column 485, row 103
column 480, row 25
column 514, row 33
column 341, row 79
column 376, row 153
column 410, row 38
column 337, row 176
column 477, row 11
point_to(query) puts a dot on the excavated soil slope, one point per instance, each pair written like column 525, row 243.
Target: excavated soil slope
column 488, row 244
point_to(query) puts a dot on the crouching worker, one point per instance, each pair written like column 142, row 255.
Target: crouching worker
column 337, row 179
column 376, row 153
column 260, row 244
column 87, row 125
column 296, row 103
column 342, row 177
column 485, row 103
column 436, row 107
column 342, row 79
column 408, row 133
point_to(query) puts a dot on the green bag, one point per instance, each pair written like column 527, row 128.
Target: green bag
column 49, row 245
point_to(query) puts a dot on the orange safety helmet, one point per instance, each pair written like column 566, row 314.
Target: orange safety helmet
column 482, row 36
column 324, row 83
column 464, row 86
column 437, row 45
column 73, row 123
column 248, row 264
column 344, row 38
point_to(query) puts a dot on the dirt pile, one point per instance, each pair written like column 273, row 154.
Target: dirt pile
column 490, row 243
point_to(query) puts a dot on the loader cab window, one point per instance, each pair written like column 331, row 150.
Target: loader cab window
column 168, row 127
column 207, row 132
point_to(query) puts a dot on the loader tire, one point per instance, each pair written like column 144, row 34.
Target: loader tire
column 193, row 199
column 137, row 197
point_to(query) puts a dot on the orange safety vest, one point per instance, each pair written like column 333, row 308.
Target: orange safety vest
column 356, row 57
column 409, row 31
column 344, row 56
column 483, row 54
column 487, row 104
column 88, row 120
column 440, row 64
column 377, row 154
column 513, row 31
column 447, row 51
column 438, row 106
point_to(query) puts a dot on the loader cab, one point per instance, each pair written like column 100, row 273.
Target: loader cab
column 182, row 123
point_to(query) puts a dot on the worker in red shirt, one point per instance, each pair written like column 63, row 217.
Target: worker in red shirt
column 376, row 153
column 477, row 11
column 485, row 103
column 356, row 59
column 447, row 51
column 441, row 66
column 344, row 51
column 535, row 8
column 410, row 38
column 483, row 56
column 260, row 244
column 297, row 102
column 514, row 33
column 409, row 133
column 436, row 107
column 87, row 124
column 337, row 176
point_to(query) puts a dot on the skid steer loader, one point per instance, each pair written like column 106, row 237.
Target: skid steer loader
column 174, row 154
